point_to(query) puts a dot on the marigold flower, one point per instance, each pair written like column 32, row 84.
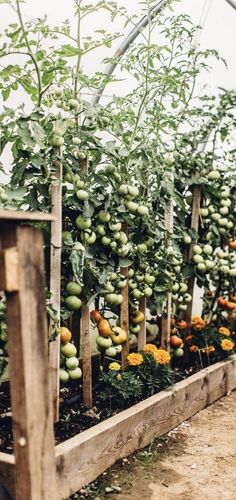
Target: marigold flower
column 135, row 359
column 119, row 377
column 227, row 345
column 149, row 349
column 194, row 348
column 162, row 357
column 115, row 366
column 198, row 323
column 208, row 349
column 224, row 331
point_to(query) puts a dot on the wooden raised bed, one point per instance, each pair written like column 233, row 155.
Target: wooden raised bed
column 84, row 457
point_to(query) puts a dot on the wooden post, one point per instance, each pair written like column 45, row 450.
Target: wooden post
column 194, row 225
column 86, row 338
column 124, row 317
column 55, row 282
column 32, row 412
column 142, row 336
column 166, row 321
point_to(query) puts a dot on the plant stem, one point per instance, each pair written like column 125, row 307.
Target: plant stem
column 30, row 53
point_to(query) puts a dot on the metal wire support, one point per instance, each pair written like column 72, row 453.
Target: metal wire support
column 109, row 69
column 232, row 3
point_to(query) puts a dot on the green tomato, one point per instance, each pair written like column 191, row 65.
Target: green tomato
column 177, row 269
column 201, row 267
column 82, row 194
column 68, row 350
column 183, row 287
column 113, row 276
column 109, row 287
column 215, row 216
column 142, row 210
column 123, row 238
column 136, row 293
column 73, row 288
column 187, row 297
column 149, row 242
column 187, row 239
column 232, row 272
column 113, row 245
column 141, row 247
column 121, row 284
column 230, row 225
column 131, row 206
column 225, row 202
column 103, row 342
column 207, row 249
column 149, row 279
column 75, row 374
column 224, row 210
column 73, row 103
column 82, row 223
column 139, row 278
column 76, row 141
column 72, row 363
column 197, row 249
column 115, row 226
column 117, row 177
column 100, row 229
column 209, row 264
column 110, row 169
column 57, row 141
column 111, row 352
column 123, row 190
column 119, row 299
column 63, row 375
column 133, row 191
column 214, row 175
column 58, row 92
column 135, row 328
column 204, row 212
column 175, row 287
column 178, row 353
column 106, row 241
column 116, row 236
column 73, row 303
column 80, row 184
column 111, row 298
column 91, row 239
column 103, row 216
column 147, row 291
column 118, row 348
column 183, row 307
column 130, row 273
column 223, row 222
column 198, row 259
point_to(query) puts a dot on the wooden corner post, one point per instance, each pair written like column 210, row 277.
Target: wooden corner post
column 166, row 321
column 32, row 411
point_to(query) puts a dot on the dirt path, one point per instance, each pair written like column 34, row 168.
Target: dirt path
column 196, row 460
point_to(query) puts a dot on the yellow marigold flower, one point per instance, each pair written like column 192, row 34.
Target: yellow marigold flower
column 194, row 348
column 208, row 349
column 119, row 377
column 149, row 349
column 224, row 331
column 227, row 345
column 115, row 366
column 135, row 359
column 161, row 356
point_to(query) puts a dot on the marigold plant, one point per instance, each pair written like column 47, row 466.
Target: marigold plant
column 227, row 345
column 150, row 349
column 162, row 357
column 135, row 359
column 115, row 366
column 224, row 331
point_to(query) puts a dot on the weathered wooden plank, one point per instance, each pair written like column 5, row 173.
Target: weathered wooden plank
column 142, row 335
column 81, row 459
column 124, row 317
column 55, row 282
column 9, row 276
column 26, row 216
column 166, row 320
column 35, row 476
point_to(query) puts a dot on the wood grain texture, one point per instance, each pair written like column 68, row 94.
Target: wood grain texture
column 35, row 477
column 55, row 283
column 124, row 317
column 82, row 458
column 142, row 335
column 9, row 270
column 26, row 216
column 86, row 356
column 7, row 479
column 166, row 320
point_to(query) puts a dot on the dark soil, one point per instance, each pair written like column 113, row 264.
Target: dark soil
column 74, row 416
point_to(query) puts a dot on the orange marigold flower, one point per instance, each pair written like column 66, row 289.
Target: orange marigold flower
column 208, row 349
column 224, row 331
column 194, row 348
column 149, row 349
column 198, row 323
column 227, row 345
column 162, row 357
column 135, row 359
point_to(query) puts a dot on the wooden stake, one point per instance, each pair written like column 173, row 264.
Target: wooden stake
column 35, row 472
column 85, row 340
column 166, row 321
column 55, row 282
column 142, row 335
column 124, row 317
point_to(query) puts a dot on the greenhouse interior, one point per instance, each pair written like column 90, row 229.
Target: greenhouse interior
column 117, row 250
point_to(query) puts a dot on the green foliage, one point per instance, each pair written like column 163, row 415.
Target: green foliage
column 154, row 376
column 120, row 389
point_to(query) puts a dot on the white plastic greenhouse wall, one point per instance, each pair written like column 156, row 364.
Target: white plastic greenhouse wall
column 213, row 15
